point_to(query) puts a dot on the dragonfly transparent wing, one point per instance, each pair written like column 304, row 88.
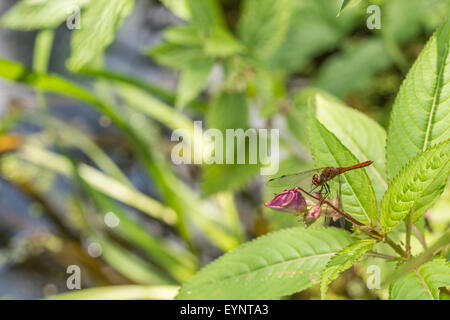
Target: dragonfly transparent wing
column 288, row 181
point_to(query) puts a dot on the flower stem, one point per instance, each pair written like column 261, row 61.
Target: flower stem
column 368, row 230
column 408, row 234
column 380, row 255
column 395, row 246
column 419, row 236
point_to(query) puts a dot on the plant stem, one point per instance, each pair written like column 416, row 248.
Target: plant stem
column 419, row 236
column 368, row 230
column 443, row 241
column 395, row 246
column 408, row 234
column 371, row 232
column 380, row 255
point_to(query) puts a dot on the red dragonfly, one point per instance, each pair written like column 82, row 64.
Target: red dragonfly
column 324, row 182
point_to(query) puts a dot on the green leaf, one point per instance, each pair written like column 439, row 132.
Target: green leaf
column 229, row 111
column 175, row 56
column 32, row 14
column 343, row 260
column 312, row 30
column 358, row 196
column 423, row 178
column 43, row 49
column 422, row 283
column 222, row 44
column 219, row 43
column 353, row 68
column 420, row 116
column 185, row 34
column 193, row 79
column 206, row 15
column 178, row 7
column 364, row 137
column 100, row 22
column 263, row 25
column 126, row 292
column 346, row 4
column 271, row 266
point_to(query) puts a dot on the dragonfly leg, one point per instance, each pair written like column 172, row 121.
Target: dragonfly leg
column 313, row 187
column 327, row 188
column 325, row 194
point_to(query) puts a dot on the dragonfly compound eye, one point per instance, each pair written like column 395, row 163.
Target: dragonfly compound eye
column 316, row 179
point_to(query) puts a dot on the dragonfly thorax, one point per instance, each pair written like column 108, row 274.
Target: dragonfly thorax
column 327, row 174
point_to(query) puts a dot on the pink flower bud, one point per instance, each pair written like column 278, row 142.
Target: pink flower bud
column 318, row 209
column 288, row 201
column 313, row 214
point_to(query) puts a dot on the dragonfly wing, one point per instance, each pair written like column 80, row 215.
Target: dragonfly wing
column 300, row 179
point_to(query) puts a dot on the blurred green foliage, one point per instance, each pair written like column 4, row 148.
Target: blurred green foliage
column 241, row 64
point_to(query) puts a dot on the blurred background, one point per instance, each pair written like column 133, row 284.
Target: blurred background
column 86, row 176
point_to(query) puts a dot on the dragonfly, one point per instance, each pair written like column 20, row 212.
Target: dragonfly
column 324, row 182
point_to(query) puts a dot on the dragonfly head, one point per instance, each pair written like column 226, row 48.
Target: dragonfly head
column 317, row 180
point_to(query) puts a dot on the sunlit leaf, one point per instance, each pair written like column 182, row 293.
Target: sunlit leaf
column 101, row 20
column 346, row 4
column 420, row 116
column 343, row 260
column 178, row 7
column 32, row 14
column 423, row 178
column 422, row 283
column 358, row 196
column 271, row 266
column 365, row 138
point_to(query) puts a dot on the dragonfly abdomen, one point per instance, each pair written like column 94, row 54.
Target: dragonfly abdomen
column 356, row 166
